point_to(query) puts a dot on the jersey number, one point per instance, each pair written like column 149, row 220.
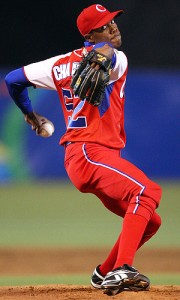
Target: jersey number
column 74, row 121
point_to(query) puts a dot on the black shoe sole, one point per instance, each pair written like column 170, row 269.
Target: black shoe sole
column 127, row 285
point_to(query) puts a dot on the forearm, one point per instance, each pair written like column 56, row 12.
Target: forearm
column 106, row 49
column 17, row 85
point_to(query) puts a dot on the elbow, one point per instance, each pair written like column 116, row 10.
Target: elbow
column 12, row 78
column 8, row 79
column 15, row 77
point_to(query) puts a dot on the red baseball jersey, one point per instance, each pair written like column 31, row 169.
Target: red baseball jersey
column 85, row 123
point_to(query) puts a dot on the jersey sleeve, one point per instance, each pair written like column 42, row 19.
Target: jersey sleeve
column 40, row 73
column 17, row 85
column 120, row 66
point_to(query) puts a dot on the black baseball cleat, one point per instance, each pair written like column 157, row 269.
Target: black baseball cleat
column 124, row 278
column 97, row 278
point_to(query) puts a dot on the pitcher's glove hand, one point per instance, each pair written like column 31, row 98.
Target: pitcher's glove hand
column 91, row 77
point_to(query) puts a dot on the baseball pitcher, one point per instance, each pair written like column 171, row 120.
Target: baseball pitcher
column 90, row 82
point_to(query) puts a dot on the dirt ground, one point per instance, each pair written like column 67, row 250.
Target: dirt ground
column 67, row 261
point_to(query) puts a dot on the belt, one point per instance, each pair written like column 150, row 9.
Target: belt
column 67, row 144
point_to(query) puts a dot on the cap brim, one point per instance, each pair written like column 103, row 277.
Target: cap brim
column 108, row 18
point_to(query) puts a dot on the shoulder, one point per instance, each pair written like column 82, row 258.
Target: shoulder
column 121, row 61
column 75, row 55
column 121, row 58
column 120, row 66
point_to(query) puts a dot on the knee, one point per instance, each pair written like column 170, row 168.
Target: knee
column 159, row 193
column 155, row 192
column 154, row 223
column 158, row 222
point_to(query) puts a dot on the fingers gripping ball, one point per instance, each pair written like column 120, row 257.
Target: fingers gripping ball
column 91, row 78
column 40, row 124
column 46, row 129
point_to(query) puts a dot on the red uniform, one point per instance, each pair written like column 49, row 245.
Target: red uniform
column 83, row 121
column 97, row 135
column 93, row 141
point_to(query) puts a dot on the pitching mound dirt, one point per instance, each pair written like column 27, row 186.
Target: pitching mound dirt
column 71, row 261
column 73, row 292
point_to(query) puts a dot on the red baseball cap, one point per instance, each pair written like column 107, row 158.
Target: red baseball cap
column 95, row 16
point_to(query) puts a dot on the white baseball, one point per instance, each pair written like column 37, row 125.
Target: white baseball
column 47, row 129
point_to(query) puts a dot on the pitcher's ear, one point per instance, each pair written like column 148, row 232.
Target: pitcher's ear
column 89, row 37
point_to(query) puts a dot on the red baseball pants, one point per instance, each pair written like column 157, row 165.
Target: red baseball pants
column 123, row 189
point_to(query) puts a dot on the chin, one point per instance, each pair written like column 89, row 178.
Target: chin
column 117, row 45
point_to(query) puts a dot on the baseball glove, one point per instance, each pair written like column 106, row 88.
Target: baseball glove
column 91, row 77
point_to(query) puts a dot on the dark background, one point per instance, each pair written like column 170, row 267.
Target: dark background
column 36, row 30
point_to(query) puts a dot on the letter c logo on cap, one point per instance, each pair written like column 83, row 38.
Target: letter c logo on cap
column 100, row 8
